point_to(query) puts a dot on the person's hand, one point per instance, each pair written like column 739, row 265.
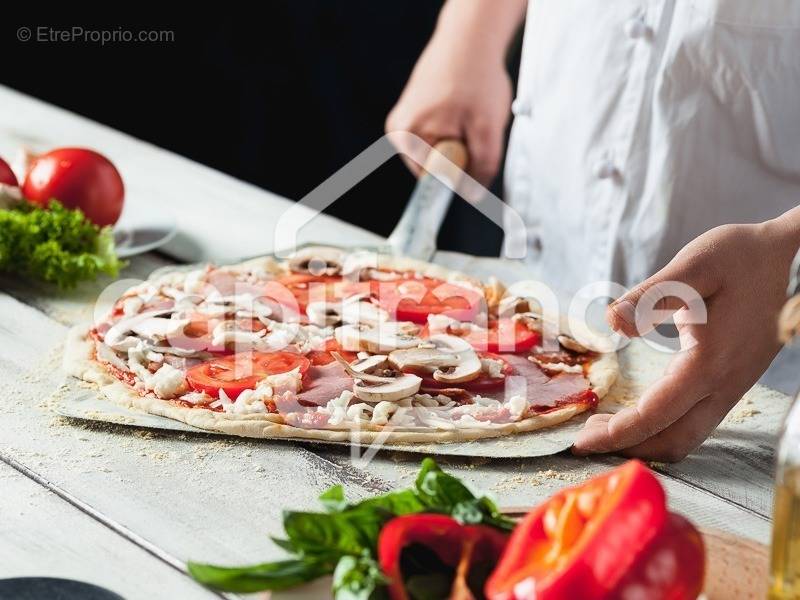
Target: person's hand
column 741, row 271
column 459, row 89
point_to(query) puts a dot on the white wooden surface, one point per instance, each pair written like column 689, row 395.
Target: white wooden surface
column 199, row 497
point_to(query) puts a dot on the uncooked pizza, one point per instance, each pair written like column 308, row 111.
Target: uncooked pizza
column 340, row 346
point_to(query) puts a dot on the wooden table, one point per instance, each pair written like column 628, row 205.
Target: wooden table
column 126, row 508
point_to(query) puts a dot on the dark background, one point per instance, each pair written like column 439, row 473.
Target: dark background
column 281, row 100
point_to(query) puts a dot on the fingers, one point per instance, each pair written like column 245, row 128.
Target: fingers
column 485, row 145
column 664, row 403
column 683, row 284
column 675, row 442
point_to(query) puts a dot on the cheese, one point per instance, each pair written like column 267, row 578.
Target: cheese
column 167, row 382
column 493, row 368
column 196, row 398
column 281, row 383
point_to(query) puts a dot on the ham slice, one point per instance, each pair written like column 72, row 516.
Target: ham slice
column 325, row 383
column 541, row 390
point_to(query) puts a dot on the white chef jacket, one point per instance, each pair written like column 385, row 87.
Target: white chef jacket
column 642, row 124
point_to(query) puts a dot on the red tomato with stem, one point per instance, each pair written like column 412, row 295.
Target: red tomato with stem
column 78, row 178
column 239, row 372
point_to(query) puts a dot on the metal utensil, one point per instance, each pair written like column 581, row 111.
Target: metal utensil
column 416, row 231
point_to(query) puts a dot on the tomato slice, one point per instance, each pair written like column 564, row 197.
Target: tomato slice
column 501, row 335
column 308, row 288
column 414, row 299
column 483, row 383
column 238, row 372
column 320, row 358
column 197, row 333
column 504, row 335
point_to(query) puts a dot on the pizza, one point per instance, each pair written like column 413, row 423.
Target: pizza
column 340, row 346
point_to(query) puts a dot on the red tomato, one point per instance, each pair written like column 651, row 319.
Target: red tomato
column 238, row 372
column 482, row 383
column 414, row 299
column 503, row 335
column 316, row 288
column 7, row 176
column 197, row 333
column 78, row 178
column 320, row 358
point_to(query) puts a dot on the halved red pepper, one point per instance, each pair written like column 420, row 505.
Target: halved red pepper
column 598, row 539
column 443, row 547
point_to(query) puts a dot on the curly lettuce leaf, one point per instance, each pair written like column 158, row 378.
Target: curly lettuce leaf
column 55, row 244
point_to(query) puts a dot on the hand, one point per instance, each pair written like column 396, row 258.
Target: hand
column 459, row 88
column 741, row 271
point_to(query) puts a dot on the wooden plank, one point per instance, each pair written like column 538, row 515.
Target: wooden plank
column 43, row 536
column 194, row 496
column 159, row 179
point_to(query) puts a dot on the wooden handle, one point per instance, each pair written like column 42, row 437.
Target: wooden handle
column 456, row 154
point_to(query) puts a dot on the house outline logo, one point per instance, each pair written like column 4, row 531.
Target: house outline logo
column 413, row 147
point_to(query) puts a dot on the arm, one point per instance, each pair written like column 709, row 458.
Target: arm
column 459, row 87
column 741, row 272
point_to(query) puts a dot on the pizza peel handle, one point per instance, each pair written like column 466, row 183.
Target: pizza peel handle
column 416, row 232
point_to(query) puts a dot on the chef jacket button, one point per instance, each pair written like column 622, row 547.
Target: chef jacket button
column 604, row 169
column 520, row 108
column 636, row 28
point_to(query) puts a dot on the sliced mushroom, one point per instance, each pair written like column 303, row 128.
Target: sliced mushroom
column 374, row 388
column 317, row 260
column 383, row 338
column 116, row 336
column 449, row 358
column 370, row 364
column 323, row 314
column 571, row 343
column 363, row 312
column 401, row 387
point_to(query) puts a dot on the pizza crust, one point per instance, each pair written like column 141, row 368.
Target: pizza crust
column 79, row 361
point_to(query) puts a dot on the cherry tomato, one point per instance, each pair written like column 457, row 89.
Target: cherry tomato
column 320, row 358
column 238, row 372
column 414, row 299
column 78, row 178
column 7, row 176
column 483, row 383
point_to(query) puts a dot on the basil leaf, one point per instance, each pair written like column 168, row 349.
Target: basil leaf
column 333, row 499
column 358, row 578
column 285, row 544
column 404, row 502
column 278, row 575
column 349, row 532
column 445, row 493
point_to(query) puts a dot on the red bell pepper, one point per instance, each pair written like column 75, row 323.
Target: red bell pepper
column 598, row 539
column 454, row 551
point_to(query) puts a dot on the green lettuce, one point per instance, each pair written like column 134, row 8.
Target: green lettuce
column 55, row 244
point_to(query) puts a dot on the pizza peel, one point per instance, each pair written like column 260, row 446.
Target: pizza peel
column 416, row 231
